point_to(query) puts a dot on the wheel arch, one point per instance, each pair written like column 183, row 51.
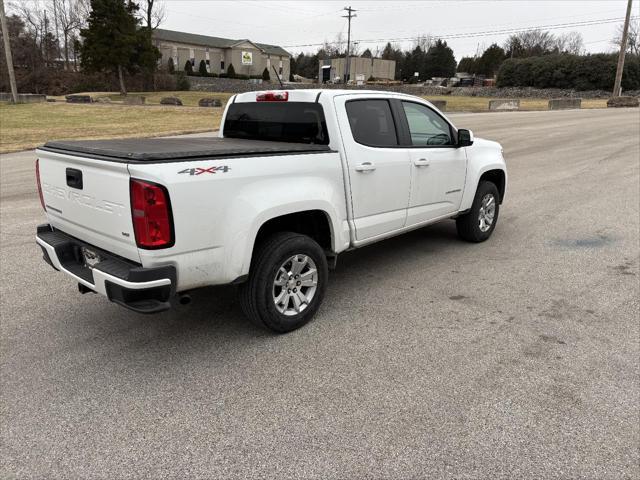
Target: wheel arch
column 498, row 178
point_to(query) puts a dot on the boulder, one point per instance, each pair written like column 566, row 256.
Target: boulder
column 621, row 102
column 565, row 103
column 171, row 101
column 513, row 104
column 210, row 102
column 78, row 98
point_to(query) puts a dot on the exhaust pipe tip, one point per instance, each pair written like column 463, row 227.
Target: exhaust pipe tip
column 184, row 299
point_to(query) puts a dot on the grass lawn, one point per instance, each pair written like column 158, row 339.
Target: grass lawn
column 26, row 126
column 189, row 99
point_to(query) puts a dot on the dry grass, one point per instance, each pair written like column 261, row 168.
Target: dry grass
column 189, row 99
column 481, row 104
column 28, row 125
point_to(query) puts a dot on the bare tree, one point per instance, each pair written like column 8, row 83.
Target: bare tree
column 571, row 42
column 69, row 21
column 424, row 41
column 153, row 13
column 337, row 48
column 633, row 40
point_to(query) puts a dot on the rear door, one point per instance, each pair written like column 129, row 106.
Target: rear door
column 89, row 199
column 438, row 166
column 378, row 167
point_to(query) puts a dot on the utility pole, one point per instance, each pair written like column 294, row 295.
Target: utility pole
column 623, row 50
column 350, row 14
column 7, row 51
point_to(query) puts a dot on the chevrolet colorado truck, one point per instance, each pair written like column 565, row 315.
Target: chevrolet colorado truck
column 293, row 179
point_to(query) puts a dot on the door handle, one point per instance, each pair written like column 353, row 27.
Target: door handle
column 365, row 167
column 421, row 162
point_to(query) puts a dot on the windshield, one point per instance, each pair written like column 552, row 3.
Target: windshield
column 297, row 122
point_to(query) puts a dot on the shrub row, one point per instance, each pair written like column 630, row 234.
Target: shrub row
column 580, row 72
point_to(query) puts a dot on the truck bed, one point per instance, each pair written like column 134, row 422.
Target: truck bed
column 160, row 150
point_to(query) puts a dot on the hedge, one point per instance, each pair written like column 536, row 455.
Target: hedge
column 579, row 72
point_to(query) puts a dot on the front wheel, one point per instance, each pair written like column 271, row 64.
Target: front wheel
column 287, row 282
column 477, row 225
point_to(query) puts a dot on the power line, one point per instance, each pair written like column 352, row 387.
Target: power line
column 485, row 33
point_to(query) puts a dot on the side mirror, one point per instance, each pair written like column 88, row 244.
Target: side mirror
column 465, row 138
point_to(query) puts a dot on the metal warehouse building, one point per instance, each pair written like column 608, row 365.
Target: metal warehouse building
column 332, row 68
column 247, row 57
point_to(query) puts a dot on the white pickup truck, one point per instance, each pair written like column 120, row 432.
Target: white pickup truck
column 294, row 178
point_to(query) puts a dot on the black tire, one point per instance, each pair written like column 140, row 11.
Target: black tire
column 468, row 225
column 256, row 294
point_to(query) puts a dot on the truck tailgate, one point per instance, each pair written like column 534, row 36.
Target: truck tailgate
column 89, row 199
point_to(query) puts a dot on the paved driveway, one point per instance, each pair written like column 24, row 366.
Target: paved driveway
column 430, row 358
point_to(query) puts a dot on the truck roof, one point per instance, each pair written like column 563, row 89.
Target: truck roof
column 312, row 94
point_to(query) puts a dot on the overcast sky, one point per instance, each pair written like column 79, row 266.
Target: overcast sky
column 467, row 26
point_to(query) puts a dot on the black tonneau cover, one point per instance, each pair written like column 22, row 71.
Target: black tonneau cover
column 155, row 150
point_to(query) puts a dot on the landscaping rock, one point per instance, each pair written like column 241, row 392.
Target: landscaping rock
column 134, row 100
column 564, row 103
column 171, row 101
column 504, row 104
column 619, row 102
column 23, row 97
column 103, row 100
column 78, row 98
column 209, row 102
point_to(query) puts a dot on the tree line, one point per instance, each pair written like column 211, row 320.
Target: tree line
column 429, row 57
column 97, row 36
column 115, row 37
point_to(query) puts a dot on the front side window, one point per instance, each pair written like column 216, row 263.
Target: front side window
column 426, row 127
column 372, row 123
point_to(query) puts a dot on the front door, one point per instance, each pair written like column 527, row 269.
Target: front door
column 438, row 167
column 379, row 168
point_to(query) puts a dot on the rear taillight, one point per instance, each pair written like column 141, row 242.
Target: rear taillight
column 272, row 97
column 151, row 213
column 39, row 184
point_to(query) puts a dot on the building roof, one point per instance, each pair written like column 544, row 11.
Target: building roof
column 214, row 42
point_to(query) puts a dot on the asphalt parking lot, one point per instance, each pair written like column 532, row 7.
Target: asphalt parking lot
column 431, row 357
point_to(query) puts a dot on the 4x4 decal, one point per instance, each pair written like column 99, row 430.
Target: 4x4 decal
column 200, row 171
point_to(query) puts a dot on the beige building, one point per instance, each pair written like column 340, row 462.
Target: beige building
column 247, row 57
column 359, row 68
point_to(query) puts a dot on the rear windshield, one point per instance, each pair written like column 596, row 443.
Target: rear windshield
column 298, row 122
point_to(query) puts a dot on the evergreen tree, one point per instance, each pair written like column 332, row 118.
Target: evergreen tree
column 188, row 68
column 439, row 61
column 490, row 61
column 231, row 72
column 367, row 54
column 467, row 65
column 113, row 42
column 265, row 75
column 202, row 68
column 171, row 66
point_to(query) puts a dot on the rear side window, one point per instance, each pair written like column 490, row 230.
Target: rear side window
column 372, row 123
column 297, row 122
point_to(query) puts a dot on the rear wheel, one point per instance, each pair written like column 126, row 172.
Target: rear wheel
column 287, row 282
column 477, row 225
